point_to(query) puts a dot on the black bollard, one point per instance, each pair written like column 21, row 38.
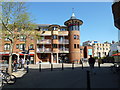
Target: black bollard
column 39, row 67
column 82, row 65
column 27, row 68
column 98, row 64
column 62, row 66
column 73, row 65
column 88, row 80
column 51, row 67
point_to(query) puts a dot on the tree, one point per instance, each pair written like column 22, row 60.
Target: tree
column 14, row 18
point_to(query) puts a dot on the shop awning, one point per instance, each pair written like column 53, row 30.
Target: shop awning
column 27, row 54
column 117, row 54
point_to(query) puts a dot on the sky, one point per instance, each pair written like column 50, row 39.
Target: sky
column 97, row 17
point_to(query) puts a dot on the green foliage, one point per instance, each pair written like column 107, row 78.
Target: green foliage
column 95, row 57
column 108, row 59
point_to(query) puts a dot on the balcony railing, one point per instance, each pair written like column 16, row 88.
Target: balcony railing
column 43, row 50
column 65, row 33
column 64, row 50
column 64, row 41
column 45, row 41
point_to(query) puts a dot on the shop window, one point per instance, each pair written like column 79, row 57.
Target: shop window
column 43, row 56
column 54, row 36
column 54, row 45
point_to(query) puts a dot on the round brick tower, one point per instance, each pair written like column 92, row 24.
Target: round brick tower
column 74, row 38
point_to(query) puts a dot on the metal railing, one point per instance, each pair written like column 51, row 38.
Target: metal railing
column 45, row 41
column 64, row 41
column 42, row 50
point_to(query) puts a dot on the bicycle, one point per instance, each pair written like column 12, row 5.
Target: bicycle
column 115, row 68
column 7, row 78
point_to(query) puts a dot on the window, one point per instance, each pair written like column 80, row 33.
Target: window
column 54, row 28
column 17, row 37
column 44, row 29
column 54, row 36
column 31, row 38
column 74, row 45
column 6, row 39
column 106, row 48
column 7, row 47
column 63, row 29
column 22, row 47
column 75, row 37
column 31, row 46
column 77, row 45
column 105, row 53
column 22, row 38
column 54, row 45
column 43, row 56
column 17, row 46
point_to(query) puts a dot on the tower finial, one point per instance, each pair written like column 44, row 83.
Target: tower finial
column 72, row 10
column 73, row 15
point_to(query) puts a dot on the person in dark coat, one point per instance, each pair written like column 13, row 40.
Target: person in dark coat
column 91, row 61
column 15, row 65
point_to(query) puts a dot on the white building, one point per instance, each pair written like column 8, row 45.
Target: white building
column 113, row 48
column 89, row 43
column 99, row 49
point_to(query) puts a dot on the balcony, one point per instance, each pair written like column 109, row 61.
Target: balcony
column 55, row 32
column 64, row 41
column 45, row 41
column 46, row 33
column 43, row 50
column 64, row 50
column 61, row 33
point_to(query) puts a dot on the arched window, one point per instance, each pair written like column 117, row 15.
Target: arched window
column 7, row 46
column 75, row 37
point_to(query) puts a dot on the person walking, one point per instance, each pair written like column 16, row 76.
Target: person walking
column 23, row 62
column 15, row 65
column 91, row 62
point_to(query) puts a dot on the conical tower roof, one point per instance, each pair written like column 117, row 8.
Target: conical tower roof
column 73, row 16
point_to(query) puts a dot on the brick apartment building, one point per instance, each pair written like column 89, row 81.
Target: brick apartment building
column 55, row 43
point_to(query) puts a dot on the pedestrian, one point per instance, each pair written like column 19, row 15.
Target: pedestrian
column 28, row 62
column 23, row 62
column 99, row 62
column 15, row 65
column 20, row 63
column 91, row 62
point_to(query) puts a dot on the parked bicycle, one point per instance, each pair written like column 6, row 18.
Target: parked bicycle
column 115, row 68
column 7, row 78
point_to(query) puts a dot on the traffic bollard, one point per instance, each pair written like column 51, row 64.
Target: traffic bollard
column 62, row 66
column 82, row 65
column 88, row 80
column 51, row 67
column 39, row 67
column 73, row 65
column 98, row 64
column 27, row 68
